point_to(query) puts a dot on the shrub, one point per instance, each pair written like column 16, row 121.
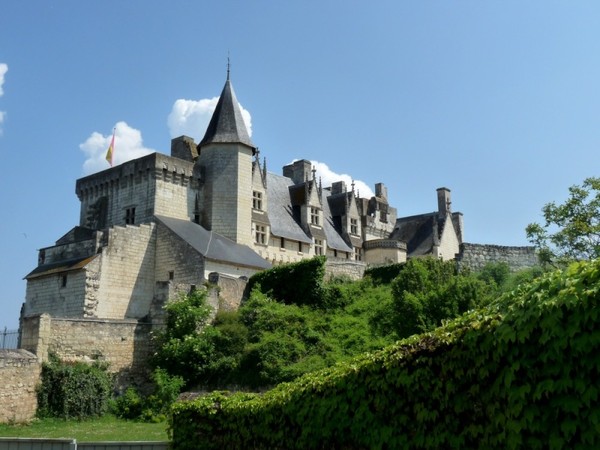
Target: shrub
column 298, row 283
column 73, row 390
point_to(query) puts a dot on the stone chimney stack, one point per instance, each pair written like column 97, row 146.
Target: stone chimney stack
column 339, row 187
column 299, row 171
column 444, row 202
column 381, row 191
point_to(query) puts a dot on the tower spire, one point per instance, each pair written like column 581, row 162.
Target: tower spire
column 228, row 66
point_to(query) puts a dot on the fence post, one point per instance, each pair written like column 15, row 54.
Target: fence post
column 3, row 337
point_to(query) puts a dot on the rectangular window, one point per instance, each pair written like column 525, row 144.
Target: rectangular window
column 353, row 226
column 314, row 216
column 318, row 247
column 357, row 254
column 257, row 200
column 282, row 244
column 261, row 234
column 300, row 247
column 130, row 216
column 63, row 281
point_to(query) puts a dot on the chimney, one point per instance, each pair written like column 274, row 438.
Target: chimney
column 381, row 191
column 444, row 202
column 299, row 171
column 184, row 147
column 338, row 187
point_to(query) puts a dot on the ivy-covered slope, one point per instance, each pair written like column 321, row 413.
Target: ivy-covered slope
column 521, row 373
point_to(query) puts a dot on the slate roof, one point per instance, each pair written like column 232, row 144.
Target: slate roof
column 334, row 239
column 212, row 245
column 420, row 233
column 281, row 214
column 226, row 124
column 60, row 266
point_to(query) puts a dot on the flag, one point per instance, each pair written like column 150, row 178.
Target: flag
column 111, row 150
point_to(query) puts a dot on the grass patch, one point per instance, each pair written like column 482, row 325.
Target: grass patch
column 107, row 428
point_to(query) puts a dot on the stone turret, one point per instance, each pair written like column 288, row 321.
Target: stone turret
column 225, row 160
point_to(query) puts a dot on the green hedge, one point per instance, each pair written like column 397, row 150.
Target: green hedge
column 521, row 373
column 384, row 274
column 298, row 283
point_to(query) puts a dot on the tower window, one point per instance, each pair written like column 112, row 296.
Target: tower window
column 261, row 234
column 63, row 281
column 130, row 216
column 257, row 200
column 314, row 216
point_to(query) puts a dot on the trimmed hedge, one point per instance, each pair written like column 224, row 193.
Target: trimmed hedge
column 298, row 283
column 384, row 274
column 521, row 373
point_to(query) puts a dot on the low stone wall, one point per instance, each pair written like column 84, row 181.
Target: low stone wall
column 476, row 256
column 344, row 268
column 20, row 374
column 228, row 293
column 125, row 344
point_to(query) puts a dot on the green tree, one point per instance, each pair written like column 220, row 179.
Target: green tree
column 571, row 230
column 428, row 291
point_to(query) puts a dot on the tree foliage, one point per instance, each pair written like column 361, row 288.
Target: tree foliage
column 428, row 291
column 571, row 230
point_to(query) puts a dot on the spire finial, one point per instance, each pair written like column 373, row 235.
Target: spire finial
column 228, row 65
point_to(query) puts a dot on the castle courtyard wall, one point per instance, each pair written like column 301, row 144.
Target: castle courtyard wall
column 20, row 374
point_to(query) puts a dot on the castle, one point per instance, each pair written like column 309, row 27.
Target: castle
column 158, row 225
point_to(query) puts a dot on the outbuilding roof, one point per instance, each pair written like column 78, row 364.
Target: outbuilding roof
column 212, row 245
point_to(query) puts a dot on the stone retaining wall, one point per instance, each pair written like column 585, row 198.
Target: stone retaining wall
column 125, row 344
column 20, row 374
column 476, row 256
column 344, row 268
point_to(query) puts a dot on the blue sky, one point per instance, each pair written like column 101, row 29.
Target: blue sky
column 498, row 101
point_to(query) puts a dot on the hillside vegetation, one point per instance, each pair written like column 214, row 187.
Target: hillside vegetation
column 520, row 372
column 294, row 323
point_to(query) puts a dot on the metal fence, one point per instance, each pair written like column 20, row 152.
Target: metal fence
column 9, row 339
column 72, row 444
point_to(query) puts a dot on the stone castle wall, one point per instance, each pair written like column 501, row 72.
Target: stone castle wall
column 126, row 275
column 476, row 256
column 20, row 374
column 125, row 344
column 344, row 268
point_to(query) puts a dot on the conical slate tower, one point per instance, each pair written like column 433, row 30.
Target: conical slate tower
column 227, row 124
column 226, row 163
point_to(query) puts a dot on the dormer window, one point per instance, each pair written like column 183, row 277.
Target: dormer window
column 314, row 216
column 354, row 226
column 261, row 234
column 257, row 199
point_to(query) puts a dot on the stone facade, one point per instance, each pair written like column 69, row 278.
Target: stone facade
column 20, row 374
column 476, row 256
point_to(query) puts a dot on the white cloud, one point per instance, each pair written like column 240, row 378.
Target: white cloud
column 328, row 177
column 3, row 70
column 128, row 145
column 191, row 117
